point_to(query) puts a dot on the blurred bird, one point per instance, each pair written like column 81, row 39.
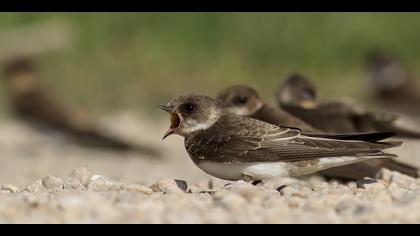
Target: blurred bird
column 298, row 96
column 36, row 105
column 241, row 100
column 235, row 147
column 245, row 101
column 394, row 86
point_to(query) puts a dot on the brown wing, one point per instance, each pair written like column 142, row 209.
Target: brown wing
column 331, row 118
column 40, row 106
column 282, row 118
column 335, row 118
column 241, row 139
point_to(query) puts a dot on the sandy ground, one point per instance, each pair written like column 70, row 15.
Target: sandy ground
column 41, row 182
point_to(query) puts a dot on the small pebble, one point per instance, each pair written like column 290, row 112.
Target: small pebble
column 10, row 188
column 81, row 174
column 52, row 184
column 100, row 183
column 170, row 186
column 138, row 188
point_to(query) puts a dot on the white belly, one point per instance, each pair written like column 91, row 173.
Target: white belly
column 272, row 170
column 257, row 170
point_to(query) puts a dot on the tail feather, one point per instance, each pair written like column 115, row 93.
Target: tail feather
column 378, row 154
column 367, row 137
column 403, row 168
column 407, row 134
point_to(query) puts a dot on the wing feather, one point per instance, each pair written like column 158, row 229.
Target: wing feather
column 236, row 139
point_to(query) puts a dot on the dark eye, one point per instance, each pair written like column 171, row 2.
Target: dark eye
column 189, row 107
column 242, row 100
column 308, row 94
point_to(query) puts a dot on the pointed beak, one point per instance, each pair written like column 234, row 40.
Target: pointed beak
column 169, row 132
column 166, row 108
column 175, row 121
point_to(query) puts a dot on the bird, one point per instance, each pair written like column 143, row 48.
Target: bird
column 235, row 147
column 393, row 85
column 244, row 100
column 370, row 168
column 37, row 105
column 298, row 96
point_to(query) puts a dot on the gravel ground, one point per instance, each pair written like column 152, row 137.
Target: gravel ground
column 45, row 179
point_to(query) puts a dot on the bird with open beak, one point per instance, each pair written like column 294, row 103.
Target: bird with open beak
column 234, row 147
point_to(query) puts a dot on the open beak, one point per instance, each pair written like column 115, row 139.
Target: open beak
column 166, row 108
column 175, row 121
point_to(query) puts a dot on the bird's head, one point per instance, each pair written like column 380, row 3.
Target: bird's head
column 240, row 99
column 190, row 113
column 298, row 91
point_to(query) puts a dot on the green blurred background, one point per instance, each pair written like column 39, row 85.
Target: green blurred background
column 138, row 60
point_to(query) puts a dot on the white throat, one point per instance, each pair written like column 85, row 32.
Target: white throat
column 245, row 111
column 189, row 125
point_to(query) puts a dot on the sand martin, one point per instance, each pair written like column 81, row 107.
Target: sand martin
column 393, row 84
column 310, row 99
column 244, row 100
column 235, row 147
column 298, row 96
column 38, row 106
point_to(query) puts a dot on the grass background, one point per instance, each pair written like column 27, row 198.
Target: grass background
column 138, row 60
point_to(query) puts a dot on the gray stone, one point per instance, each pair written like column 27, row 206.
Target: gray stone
column 10, row 188
column 73, row 185
column 100, row 183
column 138, row 188
column 169, row 186
column 81, row 174
column 35, row 187
column 181, row 184
column 52, row 184
column 394, row 177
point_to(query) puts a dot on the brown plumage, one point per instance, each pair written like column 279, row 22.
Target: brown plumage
column 232, row 147
column 350, row 172
column 244, row 100
column 236, row 139
column 333, row 117
column 36, row 105
column 393, row 84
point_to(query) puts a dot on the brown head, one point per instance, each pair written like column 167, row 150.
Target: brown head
column 298, row 91
column 190, row 113
column 385, row 71
column 16, row 66
column 241, row 100
column 19, row 74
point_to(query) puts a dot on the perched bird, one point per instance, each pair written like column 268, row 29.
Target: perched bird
column 298, row 96
column 350, row 172
column 234, row 147
column 245, row 101
column 37, row 106
column 393, row 84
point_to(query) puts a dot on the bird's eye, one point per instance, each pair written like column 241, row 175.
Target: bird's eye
column 243, row 99
column 189, row 107
column 308, row 94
